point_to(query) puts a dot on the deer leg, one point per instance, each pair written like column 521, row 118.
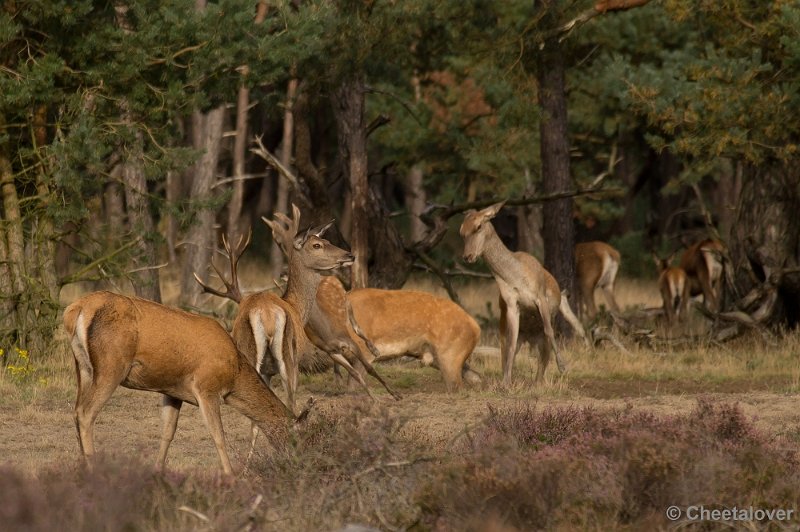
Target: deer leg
column 544, row 348
column 341, row 360
column 254, row 430
column 209, row 409
column 547, row 324
column 355, row 350
column 91, row 398
column 511, row 335
column 170, row 410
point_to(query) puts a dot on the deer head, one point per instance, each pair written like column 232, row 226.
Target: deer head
column 475, row 228
column 309, row 248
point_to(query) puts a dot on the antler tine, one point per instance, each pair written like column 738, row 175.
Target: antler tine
column 232, row 290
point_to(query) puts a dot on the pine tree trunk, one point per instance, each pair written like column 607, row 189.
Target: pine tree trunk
column 206, row 135
column 348, row 107
column 415, row 203
column 764, row 240
column 558, row 229
column 235, row 228
column 282, row 195
column 145, row 277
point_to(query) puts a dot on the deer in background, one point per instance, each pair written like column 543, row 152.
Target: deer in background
column 596, row 266
column 673, row 285
column 703, row 264
column 126, row 341
column 524, row 284
column 392, row 323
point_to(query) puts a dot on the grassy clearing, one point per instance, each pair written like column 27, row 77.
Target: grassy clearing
column 609, row 445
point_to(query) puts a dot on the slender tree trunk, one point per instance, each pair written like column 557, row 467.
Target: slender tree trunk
column 240, row 145
column 207, row 135
column 348, row 106
column 282, row 194
column 558, row 229
column 144, row 277
column 14, row 299
column 415, row 203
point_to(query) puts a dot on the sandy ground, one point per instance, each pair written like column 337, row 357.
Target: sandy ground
column 42, row 432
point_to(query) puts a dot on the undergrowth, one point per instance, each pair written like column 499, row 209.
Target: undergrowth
column 523, row 468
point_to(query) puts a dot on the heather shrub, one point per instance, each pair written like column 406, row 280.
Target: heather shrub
column 531, row 468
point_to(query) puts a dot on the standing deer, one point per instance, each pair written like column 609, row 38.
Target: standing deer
column 673, row 285
column 393, row 323
column 704, row 266
column 596, row 265
column 523, row 284
column 119, row 340
column 268, row 323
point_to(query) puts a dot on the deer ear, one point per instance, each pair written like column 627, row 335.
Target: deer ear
column 300, row 242
column 320, row 230
column 492, row 210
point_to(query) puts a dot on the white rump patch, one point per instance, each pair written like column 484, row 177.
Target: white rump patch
column 80, row 349
column 610, row 267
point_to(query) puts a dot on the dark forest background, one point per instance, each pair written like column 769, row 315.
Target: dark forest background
column 129, row 129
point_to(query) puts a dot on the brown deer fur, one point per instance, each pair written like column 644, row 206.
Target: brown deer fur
column 673, row 285
column 596, row 266
column 524, row 284
column 119, row 340
column 703, row 265
column 407, row 322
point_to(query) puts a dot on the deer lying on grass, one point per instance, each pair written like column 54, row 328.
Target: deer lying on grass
column 393, row 323
column 673, row 285
column 118, row 340
column 523, row 284
column 267, row 322
column 596, row 266
column 704, row 267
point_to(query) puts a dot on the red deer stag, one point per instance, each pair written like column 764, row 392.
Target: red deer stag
column 523, row 284
column 596, row 265
column 704, row 267
column 118, row 340
column 266, row 322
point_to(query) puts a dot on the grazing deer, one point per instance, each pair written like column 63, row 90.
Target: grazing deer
column 596, row 265
column 393, row 323
column 704, row 266
column 119, row 340
column 523, row 284
column 674, row 287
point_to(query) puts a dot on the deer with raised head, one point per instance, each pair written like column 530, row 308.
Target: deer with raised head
column 126, row 341
column 596, row 266
column 704, row 266
column 392, row 323
column 673, row 285
column 269, row 329
column 524, row 285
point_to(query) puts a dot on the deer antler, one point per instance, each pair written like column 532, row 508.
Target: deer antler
column 232, row 290
column 284, row 229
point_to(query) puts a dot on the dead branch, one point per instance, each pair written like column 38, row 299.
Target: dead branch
column 299, row 186
column 601, row 7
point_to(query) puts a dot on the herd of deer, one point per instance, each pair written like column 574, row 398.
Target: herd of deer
column 120, row 340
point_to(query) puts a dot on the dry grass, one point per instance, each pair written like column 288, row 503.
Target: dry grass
column 404, row 464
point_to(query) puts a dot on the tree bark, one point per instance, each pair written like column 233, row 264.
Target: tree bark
column 415, row 203
column 765, row 239
column 348, row 108
column 206, row 135
column 558, row 228
column 235, row 228
column 282, row 195
column 145, row 279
